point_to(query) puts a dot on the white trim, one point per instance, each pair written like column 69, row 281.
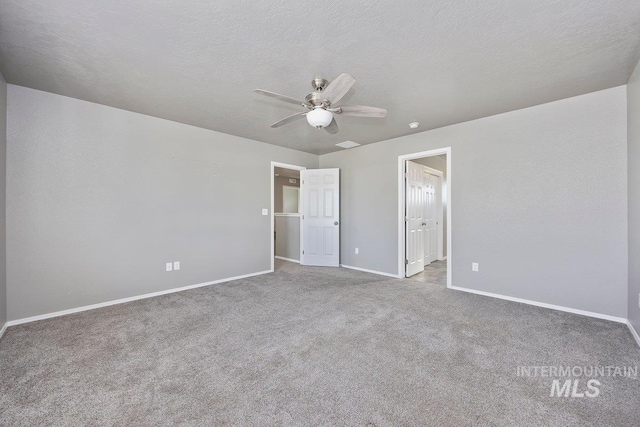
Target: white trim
column 380, row 273
column 273, row 166
column 4, row 328
column 543, row 305
column 129, row 299
column 288, row 259
column 401, row 235
column 633, row 332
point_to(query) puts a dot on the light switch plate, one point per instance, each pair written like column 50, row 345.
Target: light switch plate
column 169, row 266
column 357, row 251
column 176, row 265
column 265, row 211
column 474, row 266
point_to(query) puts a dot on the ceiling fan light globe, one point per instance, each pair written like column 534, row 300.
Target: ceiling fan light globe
column 319, row 117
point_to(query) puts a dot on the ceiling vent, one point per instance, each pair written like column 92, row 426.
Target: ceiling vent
column 347, row 144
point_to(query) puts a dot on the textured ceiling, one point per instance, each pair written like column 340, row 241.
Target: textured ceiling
column 439, row 62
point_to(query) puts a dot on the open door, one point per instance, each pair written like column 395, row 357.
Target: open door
column 320, row 224
column 415, row 224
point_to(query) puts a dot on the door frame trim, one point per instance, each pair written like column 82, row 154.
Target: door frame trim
column 275, row 165
column 401, row 207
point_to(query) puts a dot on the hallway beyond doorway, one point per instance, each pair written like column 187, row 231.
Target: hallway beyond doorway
column 436, row 272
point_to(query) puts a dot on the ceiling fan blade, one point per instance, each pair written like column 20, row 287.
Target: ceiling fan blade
column 284, row 98
column 289, row 119
column 332, row 128
column 338, row 88
column 361, row 111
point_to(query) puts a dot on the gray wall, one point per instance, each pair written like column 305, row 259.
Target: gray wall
column 3, row 205
column 439, row 163
column 288, row 237
column 278, row 183
column 539, row 201
column 100, row 198
column 633, row 117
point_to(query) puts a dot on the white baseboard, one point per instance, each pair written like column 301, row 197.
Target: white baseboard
column 288, row 259
column 380, row 273
column 544, row 305
column 4, row 328
column 129, row 299
column 634, row 333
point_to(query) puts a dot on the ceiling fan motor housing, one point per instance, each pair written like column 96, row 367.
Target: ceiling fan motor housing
column 315, row 99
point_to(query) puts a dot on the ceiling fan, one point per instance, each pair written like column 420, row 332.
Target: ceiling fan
column 322, row 104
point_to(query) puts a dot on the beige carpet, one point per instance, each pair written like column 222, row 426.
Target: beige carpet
column 312, row 346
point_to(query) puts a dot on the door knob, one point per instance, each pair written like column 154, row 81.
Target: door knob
column 335, row 223
column 424, row 223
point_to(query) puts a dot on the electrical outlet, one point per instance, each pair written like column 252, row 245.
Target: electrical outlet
column 265, row 211
column 357, row 251
column 176, row 265
column 169, row 266
column 474, row 266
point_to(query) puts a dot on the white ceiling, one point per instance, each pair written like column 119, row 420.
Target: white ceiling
column 439, row 62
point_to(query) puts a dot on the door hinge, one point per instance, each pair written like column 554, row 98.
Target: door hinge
column 406, row 262
column 406, row 218
column 303, row 252
column 406, row 175
column 302, row 216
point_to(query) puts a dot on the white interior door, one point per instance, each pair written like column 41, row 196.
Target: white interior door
column 320, row 217
column 415, row 207
column 431, row 183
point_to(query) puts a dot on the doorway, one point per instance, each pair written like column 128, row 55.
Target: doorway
column 305, row 215
column 286, row 212
column 424, row 213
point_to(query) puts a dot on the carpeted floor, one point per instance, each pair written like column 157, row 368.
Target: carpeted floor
column 312, row 346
